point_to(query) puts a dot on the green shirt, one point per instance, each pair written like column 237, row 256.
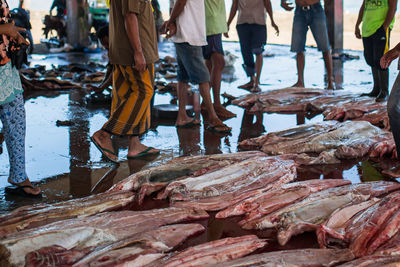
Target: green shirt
column 375, row 12
column 215, row 17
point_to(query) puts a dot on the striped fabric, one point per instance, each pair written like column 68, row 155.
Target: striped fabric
column 131, row 96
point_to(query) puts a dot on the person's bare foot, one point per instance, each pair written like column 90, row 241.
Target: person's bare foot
column 247, row 86
column 223, row 113
column 298, row 84
column 255, row 89
column 140, row 148
column 330, row 86
column 188, row 122
column 104, row 143
column 30, row 189
column 217, row 125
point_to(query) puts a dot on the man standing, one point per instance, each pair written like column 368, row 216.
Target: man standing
column 188, row 27
column 133, row 51
column 377, row 19
column 214, row 53
column 252, row 33
column 309, row 14
column 393, row 104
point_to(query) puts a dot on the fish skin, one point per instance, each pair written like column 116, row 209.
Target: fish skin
column 292, row 258
column 180, row 168
column 93, row 230
column 214, row 252
column 34, row 216
column 252, row 204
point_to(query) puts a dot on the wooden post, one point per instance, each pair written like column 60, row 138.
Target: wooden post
column 78, row 23
column 334, row 15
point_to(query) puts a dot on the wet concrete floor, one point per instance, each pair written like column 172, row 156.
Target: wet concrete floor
column 66, row 165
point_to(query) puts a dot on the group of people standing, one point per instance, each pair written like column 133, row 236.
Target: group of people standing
column 196, row 28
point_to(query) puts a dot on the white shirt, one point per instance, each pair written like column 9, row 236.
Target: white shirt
column 191, row 24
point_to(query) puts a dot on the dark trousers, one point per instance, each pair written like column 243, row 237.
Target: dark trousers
column 252, row 38
column 393, row 108
column 375, row 46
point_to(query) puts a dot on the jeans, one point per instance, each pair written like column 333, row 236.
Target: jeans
column 252, row 38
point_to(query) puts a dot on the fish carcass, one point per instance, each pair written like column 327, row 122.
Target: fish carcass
column 293, row 258
column 41, row 214
column 227, row 186
column 156, row 178
column 90, row 231
column 286, row 99
column 266, row 202
column 369, row 230
column 214, row 252
column 332, row 140
column 374, row 261
column 136, row 249
column 336, row 225
column 315, row 209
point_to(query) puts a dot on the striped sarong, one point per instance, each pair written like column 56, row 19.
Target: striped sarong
column 131, row 96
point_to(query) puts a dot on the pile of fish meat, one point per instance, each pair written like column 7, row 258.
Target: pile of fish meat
column 85, row 239
column 360, row 110
column 367, row 228
column 37, row 215
column 212, row 182
column 302, row 206
column 340, row 106
column 291, row 99
column 351, row 221
column 326, row 142
column 154, row 179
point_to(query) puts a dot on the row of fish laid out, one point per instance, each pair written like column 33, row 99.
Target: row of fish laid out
column 326, row 142
column 91, row 231
column 340, row 106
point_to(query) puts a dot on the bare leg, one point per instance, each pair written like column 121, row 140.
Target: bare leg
column 217, row 64
column 300, row 61
column 259, row 64
column 135, row 147
column 103, row 139
column 213, row 119
column 329, row 68
column 183, row 118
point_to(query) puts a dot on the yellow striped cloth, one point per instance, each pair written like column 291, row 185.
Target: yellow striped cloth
column 131, row 96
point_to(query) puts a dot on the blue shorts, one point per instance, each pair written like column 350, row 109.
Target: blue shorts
column 191, row 65
column 312, row 16
column 214, row 45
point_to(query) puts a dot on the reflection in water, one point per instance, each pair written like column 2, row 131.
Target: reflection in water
column 79, row 147
column 338, row 73
column 212, row 142
column 249, row 128
column 106, row 181
column 189, row 141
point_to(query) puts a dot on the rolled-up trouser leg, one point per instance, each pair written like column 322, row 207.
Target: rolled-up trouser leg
column 393, row 108
column 12, row 116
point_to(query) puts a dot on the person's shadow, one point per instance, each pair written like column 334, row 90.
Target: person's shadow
column 250, row 128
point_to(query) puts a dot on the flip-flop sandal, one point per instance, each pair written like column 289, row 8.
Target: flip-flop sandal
column 215, row 129
column 190, row 124
column 144, row 153
column 103, row 150
column 18, row 190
